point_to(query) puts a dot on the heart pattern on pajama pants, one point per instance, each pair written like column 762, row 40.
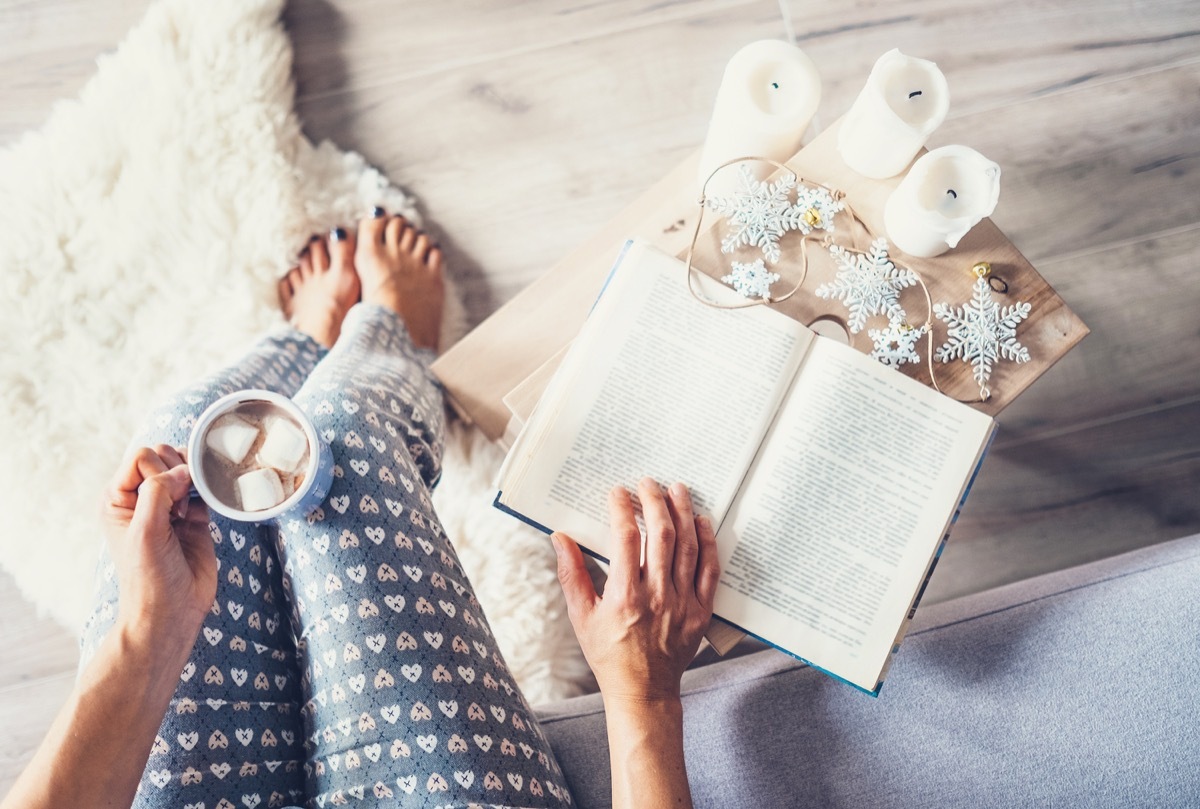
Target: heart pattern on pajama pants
column 345, row 660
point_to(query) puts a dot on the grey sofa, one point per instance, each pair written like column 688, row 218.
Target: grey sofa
column 1071, row 689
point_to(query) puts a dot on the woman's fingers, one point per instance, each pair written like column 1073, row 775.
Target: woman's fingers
column 577, row 585
column 708, row 565
column 660, row 535
column 171, row 456
column 157, row 496
column 679, row 501
column 142, row 464
column 625, row 564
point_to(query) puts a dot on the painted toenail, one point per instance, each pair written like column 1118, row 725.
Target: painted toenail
column 377, row 212
column 338, row 234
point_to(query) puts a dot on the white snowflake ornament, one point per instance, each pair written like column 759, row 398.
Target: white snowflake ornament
column 981, row 332
column 751, row 280
column 815, row 209
column 868, row 283
column 896, row 344
column 759, row 213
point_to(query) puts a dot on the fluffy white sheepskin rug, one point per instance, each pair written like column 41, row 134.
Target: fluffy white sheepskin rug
column 143, row 228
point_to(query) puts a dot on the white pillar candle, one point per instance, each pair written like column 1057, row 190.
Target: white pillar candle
column 768, row 96
column 945, row 194
column 904, row 100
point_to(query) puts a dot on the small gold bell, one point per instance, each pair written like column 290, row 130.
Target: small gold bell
column 982, row 269
column 812, row 217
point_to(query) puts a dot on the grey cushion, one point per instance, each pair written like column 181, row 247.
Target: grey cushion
column 1071, row 689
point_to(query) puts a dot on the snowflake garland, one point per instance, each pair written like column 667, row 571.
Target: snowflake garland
column 981, row 332
column 760, row 213
column 896, row 344
column 868, row 283
column 751, row 280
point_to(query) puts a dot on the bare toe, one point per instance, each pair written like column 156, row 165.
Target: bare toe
column 395, row 228
column 407, row 238
column 341, row 249
column 284, row 288
column 320, row 255
column 370, row 229
column 421, row 247
column 318, row 294
column 395, row 273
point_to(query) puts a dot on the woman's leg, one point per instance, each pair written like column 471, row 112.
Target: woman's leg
column 233, row 734
column 406, row 696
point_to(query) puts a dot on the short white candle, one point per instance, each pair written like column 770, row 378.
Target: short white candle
column 768, row 96
column 904, row 100
column 944, row 195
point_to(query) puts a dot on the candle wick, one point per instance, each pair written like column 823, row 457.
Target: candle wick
column 914, row 94
column 952, row 192
column 775, row 84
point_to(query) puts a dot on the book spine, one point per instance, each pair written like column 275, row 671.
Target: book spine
column 912, row 610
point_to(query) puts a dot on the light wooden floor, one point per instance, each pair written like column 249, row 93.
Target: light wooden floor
column 524, row 125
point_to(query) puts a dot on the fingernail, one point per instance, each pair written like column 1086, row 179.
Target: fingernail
column 704, row 522
column 377, row 212
column 556, row 542
column 338, row 234
column 678, row 490
column 180, row 509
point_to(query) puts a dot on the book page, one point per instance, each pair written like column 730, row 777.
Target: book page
column 829, row 540
column 657, row 384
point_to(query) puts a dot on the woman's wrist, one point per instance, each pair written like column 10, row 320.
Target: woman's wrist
column 645, row 737
column 157, row 645
column 638, row 704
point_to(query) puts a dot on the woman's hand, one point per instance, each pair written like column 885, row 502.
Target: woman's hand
column 167, row 572
column 159, row 539
column 642, row 633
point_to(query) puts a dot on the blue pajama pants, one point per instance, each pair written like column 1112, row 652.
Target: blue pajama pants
column 345, row 660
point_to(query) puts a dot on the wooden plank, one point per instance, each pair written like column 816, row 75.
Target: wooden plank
column 1141, row 300
column 50, row 50
column 372, row 43
column 26, row 712
column 1101, row 166
column 34, row 646
column 559, row 141
column 995, row 54
column 1055, row 502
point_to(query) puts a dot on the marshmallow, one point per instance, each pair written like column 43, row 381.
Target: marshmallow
column 284, row 446
column 231, row 437
column 260, row 490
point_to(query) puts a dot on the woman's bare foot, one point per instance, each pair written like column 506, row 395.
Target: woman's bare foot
column 316, row 295
column 401, row 270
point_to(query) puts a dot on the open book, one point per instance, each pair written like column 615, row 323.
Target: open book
column 832, row 479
